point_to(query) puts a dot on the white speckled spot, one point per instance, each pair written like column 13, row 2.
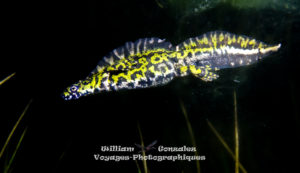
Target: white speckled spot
column 160, row 40
column 109, row 60
column 151, row 41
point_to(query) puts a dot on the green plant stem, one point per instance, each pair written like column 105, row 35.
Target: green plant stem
column 14, row 128
column 138, row 167
column 225, row 144
column 7, row 167
column 190, row 129
column 8, row 77
column 143, row 152
column 236, row 134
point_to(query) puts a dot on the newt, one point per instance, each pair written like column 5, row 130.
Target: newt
column 150, row 62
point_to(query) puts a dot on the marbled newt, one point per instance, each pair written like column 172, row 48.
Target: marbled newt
column 151, row 62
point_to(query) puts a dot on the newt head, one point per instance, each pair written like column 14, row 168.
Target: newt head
column 72, row 92
column 94, row 83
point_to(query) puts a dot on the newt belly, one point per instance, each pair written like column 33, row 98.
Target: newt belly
column 151, row 62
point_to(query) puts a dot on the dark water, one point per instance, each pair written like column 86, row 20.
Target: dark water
column 63, row 135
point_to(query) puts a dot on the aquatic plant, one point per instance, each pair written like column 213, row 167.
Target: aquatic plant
column 8, row 162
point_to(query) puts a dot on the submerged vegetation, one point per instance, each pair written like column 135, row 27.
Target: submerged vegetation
column 234, row 155
column 7, row 167
column 7, row 78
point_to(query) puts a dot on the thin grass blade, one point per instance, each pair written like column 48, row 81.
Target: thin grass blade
column 143, row 151
column 192, row 136
column 138, row 166
column 7, row 167
column 14, row 128
column 225, row 144
column 236, row 134
column 7, row 78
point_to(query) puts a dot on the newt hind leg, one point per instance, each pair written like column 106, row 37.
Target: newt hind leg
column 205, row 73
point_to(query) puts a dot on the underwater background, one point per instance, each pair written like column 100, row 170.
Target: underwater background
column 63, row 136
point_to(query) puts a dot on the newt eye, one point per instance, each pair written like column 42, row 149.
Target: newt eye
column 73, row 89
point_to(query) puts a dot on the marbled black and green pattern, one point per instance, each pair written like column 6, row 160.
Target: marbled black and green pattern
column 151, row 62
